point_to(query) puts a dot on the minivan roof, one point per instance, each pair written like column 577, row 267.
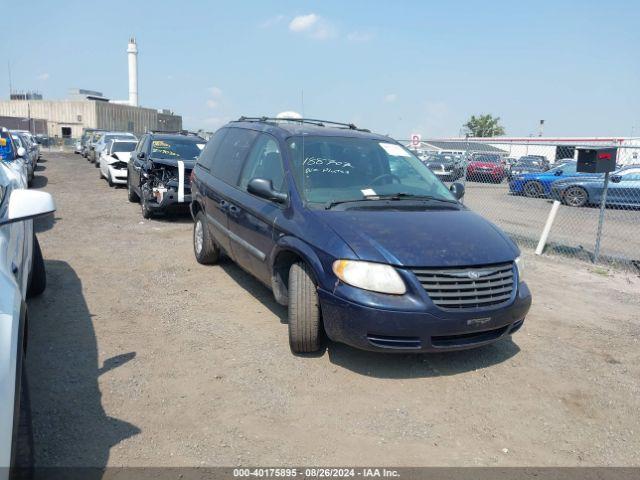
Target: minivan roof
column 289, row 128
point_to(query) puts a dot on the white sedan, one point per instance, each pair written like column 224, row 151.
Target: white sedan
column 22, row 275
column 113, row 161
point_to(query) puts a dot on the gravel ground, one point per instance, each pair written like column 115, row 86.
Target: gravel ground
column 139, row 356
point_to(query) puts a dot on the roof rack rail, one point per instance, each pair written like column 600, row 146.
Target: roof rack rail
column 175, row 132
column 312, row 121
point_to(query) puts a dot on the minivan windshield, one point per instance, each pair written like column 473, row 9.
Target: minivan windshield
column 341, row 169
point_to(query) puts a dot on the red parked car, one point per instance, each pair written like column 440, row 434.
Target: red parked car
column 486, row 167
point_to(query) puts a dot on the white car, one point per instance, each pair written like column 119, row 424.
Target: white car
column 23, row 163
column 22, row 275
column 104, row 142
column 114, row 159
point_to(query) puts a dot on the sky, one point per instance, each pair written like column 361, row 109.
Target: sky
column 395, row 67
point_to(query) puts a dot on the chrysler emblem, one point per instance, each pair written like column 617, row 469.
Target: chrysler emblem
column 473, row 275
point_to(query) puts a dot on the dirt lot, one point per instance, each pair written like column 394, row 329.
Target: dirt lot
column 140, row 356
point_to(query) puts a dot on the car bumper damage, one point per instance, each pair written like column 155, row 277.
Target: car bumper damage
column 166, row 187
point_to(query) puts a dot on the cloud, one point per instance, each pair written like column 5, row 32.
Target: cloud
column 270, row 22
column 313, row 26
column 215, row 92
column 359, row 37
column 390, row 97
column 303, row 23
column 43, row 76
column 215, row 95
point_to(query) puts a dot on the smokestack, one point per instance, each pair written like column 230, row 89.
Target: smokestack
column 132, row 53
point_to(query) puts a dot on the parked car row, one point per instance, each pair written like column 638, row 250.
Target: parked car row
column 576, row 189
column 483, row 167
column 321, row 213
column 155, row 168
column 22, row 275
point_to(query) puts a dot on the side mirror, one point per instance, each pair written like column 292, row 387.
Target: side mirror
column 114, row 155
column 141, row 155
column 457, row 189
column 26, row 204
column 21, row 152
column 261, row 187
column 616, row 178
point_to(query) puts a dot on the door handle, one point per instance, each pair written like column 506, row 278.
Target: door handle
column 14, row 268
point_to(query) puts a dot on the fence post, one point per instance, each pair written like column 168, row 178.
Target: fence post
column 603, row 201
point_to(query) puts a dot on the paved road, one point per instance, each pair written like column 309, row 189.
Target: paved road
column 140, row 356
column 574, row 229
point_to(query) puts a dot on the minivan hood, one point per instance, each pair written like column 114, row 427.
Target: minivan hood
column 437, row 238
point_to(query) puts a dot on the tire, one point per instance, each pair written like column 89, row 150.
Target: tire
column 304, row 311
column 109, row 180
column 533, row 190
column 204, row 248
column 144, row 207
column 575, row 197
column 23, row 447
column 38, row 274
column 131, row 195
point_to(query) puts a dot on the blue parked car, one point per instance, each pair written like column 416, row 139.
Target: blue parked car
column 623, row 190
column 538, row 184
column 356, row 236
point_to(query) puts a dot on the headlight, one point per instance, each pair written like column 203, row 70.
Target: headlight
column 520, row 268
column 375, row 277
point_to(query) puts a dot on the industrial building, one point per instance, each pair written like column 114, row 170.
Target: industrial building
column 90, row 109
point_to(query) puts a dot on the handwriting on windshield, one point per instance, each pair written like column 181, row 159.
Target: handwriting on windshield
column 326, row 165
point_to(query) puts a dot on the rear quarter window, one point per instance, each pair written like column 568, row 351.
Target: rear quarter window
column 228, row 160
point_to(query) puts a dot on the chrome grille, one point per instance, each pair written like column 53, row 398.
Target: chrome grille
column 473, row 287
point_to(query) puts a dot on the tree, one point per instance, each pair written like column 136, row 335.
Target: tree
column 484, row 126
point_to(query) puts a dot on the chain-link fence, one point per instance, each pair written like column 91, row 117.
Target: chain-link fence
column 514, row 184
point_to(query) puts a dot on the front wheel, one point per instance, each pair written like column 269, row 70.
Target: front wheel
column 304, row 310
column 38, row 277
column 533, row 190
column 575, row 197
column 144, row 206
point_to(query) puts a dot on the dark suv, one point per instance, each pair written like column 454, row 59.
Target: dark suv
column 357, row 237
column 158, row 174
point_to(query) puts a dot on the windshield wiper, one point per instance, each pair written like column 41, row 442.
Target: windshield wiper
column 410, row 196
column 394, row 196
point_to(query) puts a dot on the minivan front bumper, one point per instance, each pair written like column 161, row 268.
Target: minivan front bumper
column 378, row 329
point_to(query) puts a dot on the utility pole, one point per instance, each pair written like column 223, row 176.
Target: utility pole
column 541, row 128
column 10, row 84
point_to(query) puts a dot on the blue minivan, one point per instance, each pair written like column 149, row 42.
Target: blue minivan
column 353, row 233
